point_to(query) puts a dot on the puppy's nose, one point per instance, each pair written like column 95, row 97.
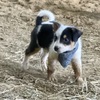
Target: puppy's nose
column 56, row 48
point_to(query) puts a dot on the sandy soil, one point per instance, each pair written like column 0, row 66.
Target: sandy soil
column 17, row 19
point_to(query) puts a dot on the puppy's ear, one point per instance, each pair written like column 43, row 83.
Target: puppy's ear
column 76, row 34
column 56, row 25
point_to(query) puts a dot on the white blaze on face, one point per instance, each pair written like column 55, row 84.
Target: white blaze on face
column 62, row 47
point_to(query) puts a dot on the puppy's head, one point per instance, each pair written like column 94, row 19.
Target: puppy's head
column 66, row 38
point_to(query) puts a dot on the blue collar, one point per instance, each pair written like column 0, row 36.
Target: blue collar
column 66, row 57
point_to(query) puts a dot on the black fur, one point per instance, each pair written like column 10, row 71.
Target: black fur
column 41, row 39
column 75, row 34
column 45, row 35
column 38, row 20
column 72, row 34
column 33, row 43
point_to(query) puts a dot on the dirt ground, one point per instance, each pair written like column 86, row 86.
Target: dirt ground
column 17, row 18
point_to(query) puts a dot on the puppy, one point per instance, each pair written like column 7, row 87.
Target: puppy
column 55, row 39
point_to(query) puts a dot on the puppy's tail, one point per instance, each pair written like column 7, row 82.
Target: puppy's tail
column 43, row 13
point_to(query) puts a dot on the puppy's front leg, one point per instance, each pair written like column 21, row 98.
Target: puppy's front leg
column 50, row 70
column 77, row 67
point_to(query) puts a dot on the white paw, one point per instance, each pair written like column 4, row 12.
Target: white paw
column 43, row 66
column 25, row 66
column 80, row 80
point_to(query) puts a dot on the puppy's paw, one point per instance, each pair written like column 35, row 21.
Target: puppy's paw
column 43, row 67
column 80, row 80
column 52, row 78
column 25, row 66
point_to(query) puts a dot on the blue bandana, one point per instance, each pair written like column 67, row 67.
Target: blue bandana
column 66, row 57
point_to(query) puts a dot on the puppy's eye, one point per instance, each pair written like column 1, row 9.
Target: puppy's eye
column 55, row 38
column 66, row 40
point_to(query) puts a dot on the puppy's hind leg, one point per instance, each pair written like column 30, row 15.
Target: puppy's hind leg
column 44, row 58
column 32, row 49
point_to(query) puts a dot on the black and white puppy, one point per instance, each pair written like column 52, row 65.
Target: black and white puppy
column 54, row 39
